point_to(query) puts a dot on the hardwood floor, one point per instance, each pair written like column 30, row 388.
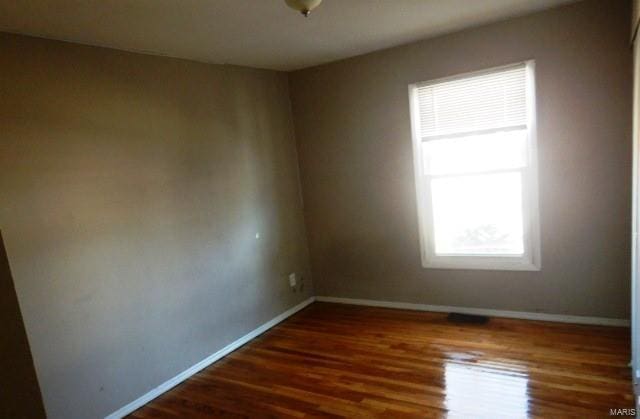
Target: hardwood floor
column 333, row 360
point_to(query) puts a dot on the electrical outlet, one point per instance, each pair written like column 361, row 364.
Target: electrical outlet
column 293, row 281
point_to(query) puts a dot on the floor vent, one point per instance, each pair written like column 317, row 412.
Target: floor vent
column 467, row 318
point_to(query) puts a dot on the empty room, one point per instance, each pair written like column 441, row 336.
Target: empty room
column 319, row 208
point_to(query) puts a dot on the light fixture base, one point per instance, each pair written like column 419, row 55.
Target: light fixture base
column 303, row 6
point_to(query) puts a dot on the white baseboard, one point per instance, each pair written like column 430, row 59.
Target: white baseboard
column 601, row 321
column 164, row 387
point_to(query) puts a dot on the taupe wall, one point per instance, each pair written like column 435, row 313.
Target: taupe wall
column 354, row 142
column 131, row 191
column 635, row 17
column 19, row 392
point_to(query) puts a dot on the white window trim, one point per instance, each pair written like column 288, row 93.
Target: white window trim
column 531, row 259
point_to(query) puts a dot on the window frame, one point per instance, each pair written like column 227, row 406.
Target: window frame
column 530, row 260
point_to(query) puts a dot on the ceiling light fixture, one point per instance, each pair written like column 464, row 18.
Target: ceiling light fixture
column 303, row 6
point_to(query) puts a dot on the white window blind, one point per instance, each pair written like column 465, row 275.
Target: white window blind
column 489, row 101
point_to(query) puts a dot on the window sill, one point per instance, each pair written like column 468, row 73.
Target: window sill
column 480, row 263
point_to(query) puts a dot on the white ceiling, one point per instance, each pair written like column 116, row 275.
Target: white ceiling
column 255, row 33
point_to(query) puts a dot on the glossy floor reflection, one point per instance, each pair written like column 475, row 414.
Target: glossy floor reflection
column 486, row 391
column 334, row 360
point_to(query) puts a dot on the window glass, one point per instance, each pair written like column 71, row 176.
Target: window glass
column 475, row 153
column 478, row 214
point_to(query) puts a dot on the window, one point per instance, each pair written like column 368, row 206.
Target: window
column 475, row 163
